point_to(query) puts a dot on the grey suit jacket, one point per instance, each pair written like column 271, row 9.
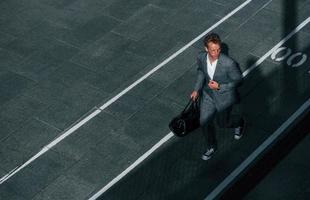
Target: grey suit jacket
column 227, row 74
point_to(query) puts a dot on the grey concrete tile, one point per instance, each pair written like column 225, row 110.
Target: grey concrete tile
column 9, row 59
column 290, row 102
column 262, row 97
column 77, row 101
column 243, row 58
column 179, row 91
column 74, row 14
column 5, row 38
column 193, row 16
column 122, row 9
column 95, row 7
column 32, row 137
column 95, row 60
column 12, row 85
column 58, row 4
column 224, row 30
column 68, row 18
column 147, row 90
column 266, row 122
column 47, row 92
column 114, row 81
column 125, row 107
column 171, row 5
column 227, row 3
column 141, row 142
column 78, row 144
column 12, row 157
column 6, row 7
column 282, row 6
column 65, row 187
column 70, row 74
column 21, row 22
column 140, row 24
column 83, row 97
column 128, row 63
column 121, row 72
column 68, row 84
column 95, row 169
column 39, row 174
column 37, row 67
column 8, row 127
column 110, row 41
column 61, row 50
column 148, row 129
column 302, row 43
column 103, row 51
column 48, row 30
column 17, row 112
column 28, row 45
column 21, row 106
column 119, row 148
column 250, row 10
column 60, row 115
column 258, row 75
column 7, row 193
column 249, row 34
column 89, row 32
column 176, row 68
column 160, row 40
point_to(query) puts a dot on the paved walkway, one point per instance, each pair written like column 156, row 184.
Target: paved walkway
column 60, row 61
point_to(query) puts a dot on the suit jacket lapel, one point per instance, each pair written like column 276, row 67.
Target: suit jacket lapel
column 218, row 68
column 205, row 65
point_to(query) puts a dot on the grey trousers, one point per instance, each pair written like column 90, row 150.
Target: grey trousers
column 209, row 115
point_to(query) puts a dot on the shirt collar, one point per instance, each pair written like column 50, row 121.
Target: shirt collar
column 214, row 62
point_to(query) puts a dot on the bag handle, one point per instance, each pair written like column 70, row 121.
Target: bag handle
column 191, row 101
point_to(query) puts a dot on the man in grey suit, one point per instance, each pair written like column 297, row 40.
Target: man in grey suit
column 217, row 80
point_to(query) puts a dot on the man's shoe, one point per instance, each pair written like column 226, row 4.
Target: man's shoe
column 209, row 153
column 239, row 131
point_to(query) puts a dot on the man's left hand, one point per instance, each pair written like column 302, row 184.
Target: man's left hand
column 213, row 85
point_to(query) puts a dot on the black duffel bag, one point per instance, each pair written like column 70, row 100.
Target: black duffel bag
column 187, row 121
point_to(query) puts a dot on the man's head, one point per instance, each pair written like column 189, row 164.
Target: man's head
column 212, row 43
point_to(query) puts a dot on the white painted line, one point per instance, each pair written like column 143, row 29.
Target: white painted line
column 245, row 73
column 132, row 166
column 229, row 179
column 246, row 163
column 115, row 98
column 258, row 62
column 49, row 146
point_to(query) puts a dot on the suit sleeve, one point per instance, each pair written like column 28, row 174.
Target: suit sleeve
column 200, row 76
column 235, row 75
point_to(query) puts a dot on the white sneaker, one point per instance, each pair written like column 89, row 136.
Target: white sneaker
column 238, row 134
column 209, row 153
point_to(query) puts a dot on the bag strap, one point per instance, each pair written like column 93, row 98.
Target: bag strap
column 189, row 104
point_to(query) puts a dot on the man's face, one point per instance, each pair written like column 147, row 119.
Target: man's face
column 213, row 50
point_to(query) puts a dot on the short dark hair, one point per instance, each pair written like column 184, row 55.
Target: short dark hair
column 212, row 37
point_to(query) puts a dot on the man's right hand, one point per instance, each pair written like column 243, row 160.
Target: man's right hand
column 194, row 95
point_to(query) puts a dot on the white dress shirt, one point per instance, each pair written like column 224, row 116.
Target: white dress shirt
column 211, row 67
